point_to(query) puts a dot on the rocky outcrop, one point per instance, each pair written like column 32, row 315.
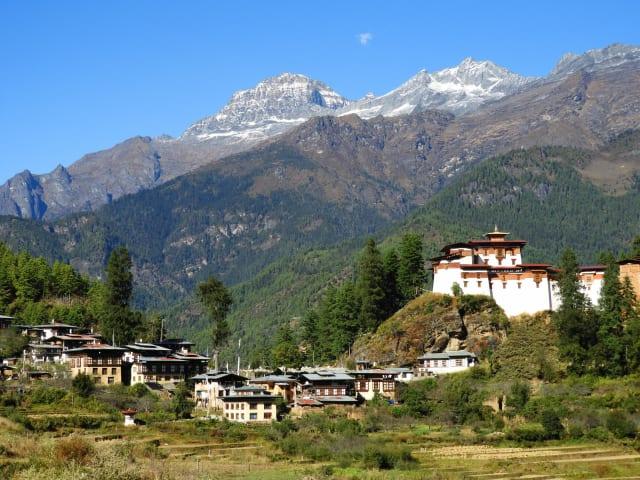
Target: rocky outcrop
column 434, row 323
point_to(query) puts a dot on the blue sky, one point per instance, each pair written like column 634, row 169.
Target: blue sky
column 77, row 77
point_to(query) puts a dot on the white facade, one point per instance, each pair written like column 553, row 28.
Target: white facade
column 493, row 267
column 444, row 363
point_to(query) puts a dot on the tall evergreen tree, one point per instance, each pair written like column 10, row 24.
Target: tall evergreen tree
column 286, row 352
column 217, row 301
column 119, row 321
column 631, row 318
column 610, row 352
column 393, row 298
column 411, row 272
column 370, row 286
column 119, row 278
column 575, row 320
column 635, row 248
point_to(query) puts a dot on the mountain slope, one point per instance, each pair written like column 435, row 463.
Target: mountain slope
column 281, row 103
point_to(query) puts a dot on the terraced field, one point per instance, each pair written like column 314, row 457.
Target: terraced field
column 542, row 463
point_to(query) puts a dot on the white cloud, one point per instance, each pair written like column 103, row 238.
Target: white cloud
column 365, row 38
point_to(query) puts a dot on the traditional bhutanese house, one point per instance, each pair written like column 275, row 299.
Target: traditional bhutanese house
column 44, row 353
column 630, row 268
column 211, row 387
column 52, row 329
column 250, row 404
column 177, row 345
column 446, row 362
column 73, row 340
column 7, row 372
column 370, row 382
column 100, row 361
column 493, row 266
column 403, row 374
column 282, row 385
column 5, row 321
column 328, row 388
column 195, row 363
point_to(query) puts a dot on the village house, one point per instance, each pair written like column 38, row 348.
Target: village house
column 211, row 387
column 327, row 388
column 250, row 404
column 630, row 268
column 431, row 364
column 402, row 374
column 279, row 385
column 5, row 321
column 47, row 330
column 370, row 382
column 150, row 363
column 100, row 361
column 493, row 267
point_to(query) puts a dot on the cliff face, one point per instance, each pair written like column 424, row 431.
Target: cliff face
column 434, row 323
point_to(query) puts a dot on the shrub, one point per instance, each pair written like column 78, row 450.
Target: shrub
column 73, row 449
column 47, row 395
column 387, row 458
column 520, row 393
column 551, row 423
column 83, row 385
column 181, row 404
column 528, row 432
column 620, row 425
column 139, row 390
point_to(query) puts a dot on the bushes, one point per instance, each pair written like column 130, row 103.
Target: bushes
column 387, row 457
column 47, row 395
column 620, row 425
column 73, row 449
column 528, row 432
column 83, row 385
column 551, row 424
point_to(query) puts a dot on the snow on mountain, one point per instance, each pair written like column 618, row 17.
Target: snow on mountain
column 271, row 107
column 459, row 89
column 610, row 56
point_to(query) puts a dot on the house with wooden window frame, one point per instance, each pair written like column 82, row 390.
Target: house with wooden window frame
column 285, row 386
column 370, row 382
column 431, row 364
column 100, row 361
column 328, row 388
column 211, row 387
column 250, row 404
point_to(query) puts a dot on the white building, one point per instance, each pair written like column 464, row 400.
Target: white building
column 250, row 404
column 493, row 267
column 446, row 362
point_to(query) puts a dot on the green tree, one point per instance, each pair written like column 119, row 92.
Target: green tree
column 181, row 403
column 370, row 286
column 635, row 248
column 519, row 396
column 610, row 351
column 393, row 297
column 551, row 423
column 286, row 352
column 217, row 301
column 12, row 343
column 575, row 320
column 119, row 278
column 411, row 272
column 83, row 385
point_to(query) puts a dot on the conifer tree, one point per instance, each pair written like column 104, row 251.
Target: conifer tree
column 286, row 352
column 411, row 272
column 217, row 301
column 610, row 350
column 575, row 319
column 370, row 286
column 631, row 318
column 119, row 278
column 393, row 298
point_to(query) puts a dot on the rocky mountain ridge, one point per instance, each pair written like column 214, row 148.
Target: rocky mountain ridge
column 475, row 90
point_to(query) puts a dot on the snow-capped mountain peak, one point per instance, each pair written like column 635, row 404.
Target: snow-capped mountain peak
column 456, row 89
column 609, row 56
column 273, row 105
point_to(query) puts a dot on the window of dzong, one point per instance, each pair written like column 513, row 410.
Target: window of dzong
column 104, row 371
column 519, row 284
column 479, row 283
column 458, row 362
column 465, row 283
column 504, row 284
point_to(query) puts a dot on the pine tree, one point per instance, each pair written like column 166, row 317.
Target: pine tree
column 575, row 320
column 119, row 321
column 217, row 301
column 411, row 272
column 393, row 298
column 286, row 352
column 631, row 320
column 635, row 248
column 119, row 278
column 610, row 350
column 370, row 286
column 346, row 319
